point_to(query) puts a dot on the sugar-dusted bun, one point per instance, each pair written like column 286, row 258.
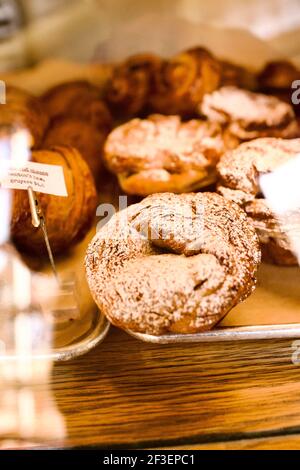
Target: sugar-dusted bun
column 67, row 218
column 24, row 111
column 239, row 172
column 162, row 153
column 173, row 263
column 245, row 115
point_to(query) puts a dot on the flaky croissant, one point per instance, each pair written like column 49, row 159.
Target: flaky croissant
column 128, row 91
column 67, row 218
column 24, row 111
column 181, row 82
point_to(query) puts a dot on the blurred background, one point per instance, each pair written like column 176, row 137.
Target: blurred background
column 33, row 29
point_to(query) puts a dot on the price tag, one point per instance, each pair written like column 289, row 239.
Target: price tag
column 42, row 178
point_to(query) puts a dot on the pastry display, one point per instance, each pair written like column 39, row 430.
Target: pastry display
column 181, row 82
column 238, row 181
column 245, row 115
column 78, row 99
column 128, row 91
column 25, row 111
column 173, row 263
column 68, row 219
column 162, row 153
column 80, row 134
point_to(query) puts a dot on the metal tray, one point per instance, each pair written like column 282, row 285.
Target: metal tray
column 237, row 333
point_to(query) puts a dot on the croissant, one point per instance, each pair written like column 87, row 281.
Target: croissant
column 25, row 111
column 67, row 218
column 128, row 91
column 80, row 134
column 78, row 99
column 181, row 82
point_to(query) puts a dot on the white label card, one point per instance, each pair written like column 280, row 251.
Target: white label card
column 42, row 178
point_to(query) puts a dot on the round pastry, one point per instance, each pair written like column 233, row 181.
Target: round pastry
column 162, row 153
column 173, row 263
column 80, row 134
column 128, row 91
column 239, row 170
column 235, row 75
column 181, row 82
column 276, row 79
column 78, row 99
column 67, row 218
column 24, row 111
column 245, row 115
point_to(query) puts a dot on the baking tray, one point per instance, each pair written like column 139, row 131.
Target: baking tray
column 225, row 334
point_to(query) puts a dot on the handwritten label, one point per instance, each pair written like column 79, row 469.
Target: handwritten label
column 42, row 178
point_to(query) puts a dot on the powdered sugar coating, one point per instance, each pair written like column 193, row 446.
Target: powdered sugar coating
column 238, row 181
column 148, row 274
column 162, row 153
column 247, row 115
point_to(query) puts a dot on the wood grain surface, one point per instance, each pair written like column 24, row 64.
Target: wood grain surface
column 127, row 394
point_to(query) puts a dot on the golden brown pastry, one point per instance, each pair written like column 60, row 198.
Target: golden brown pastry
column 239, row 171
column 24, row 111
column 161, row 153
column 277, row 77
column 173, row 263
column 78, row 99
column 128, row 91
column 182, row 81
column 236, row 75
column 67, row 218
column 245, row 115
column 80, row 134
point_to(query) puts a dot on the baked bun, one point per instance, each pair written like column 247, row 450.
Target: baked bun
column 161, row 153
column 24, row 111
column 78, row 99
column 181, row 82
column 173, row 263
column 245, row 115
column 277, row 78
column 69, row 218
column 238, row 181
column 80, row 134
column 236, row 75
column 128, row 91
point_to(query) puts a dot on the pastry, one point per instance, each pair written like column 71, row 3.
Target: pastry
column 173, row 263
column 80, row 134
column 235, row 75
column 78, row 99
column 24, row 111
column 67, row 218
column 245, row 115
column 181, row 82
column 161, row 153
column 239, row 170
column 128, row 91
column 277, row 78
